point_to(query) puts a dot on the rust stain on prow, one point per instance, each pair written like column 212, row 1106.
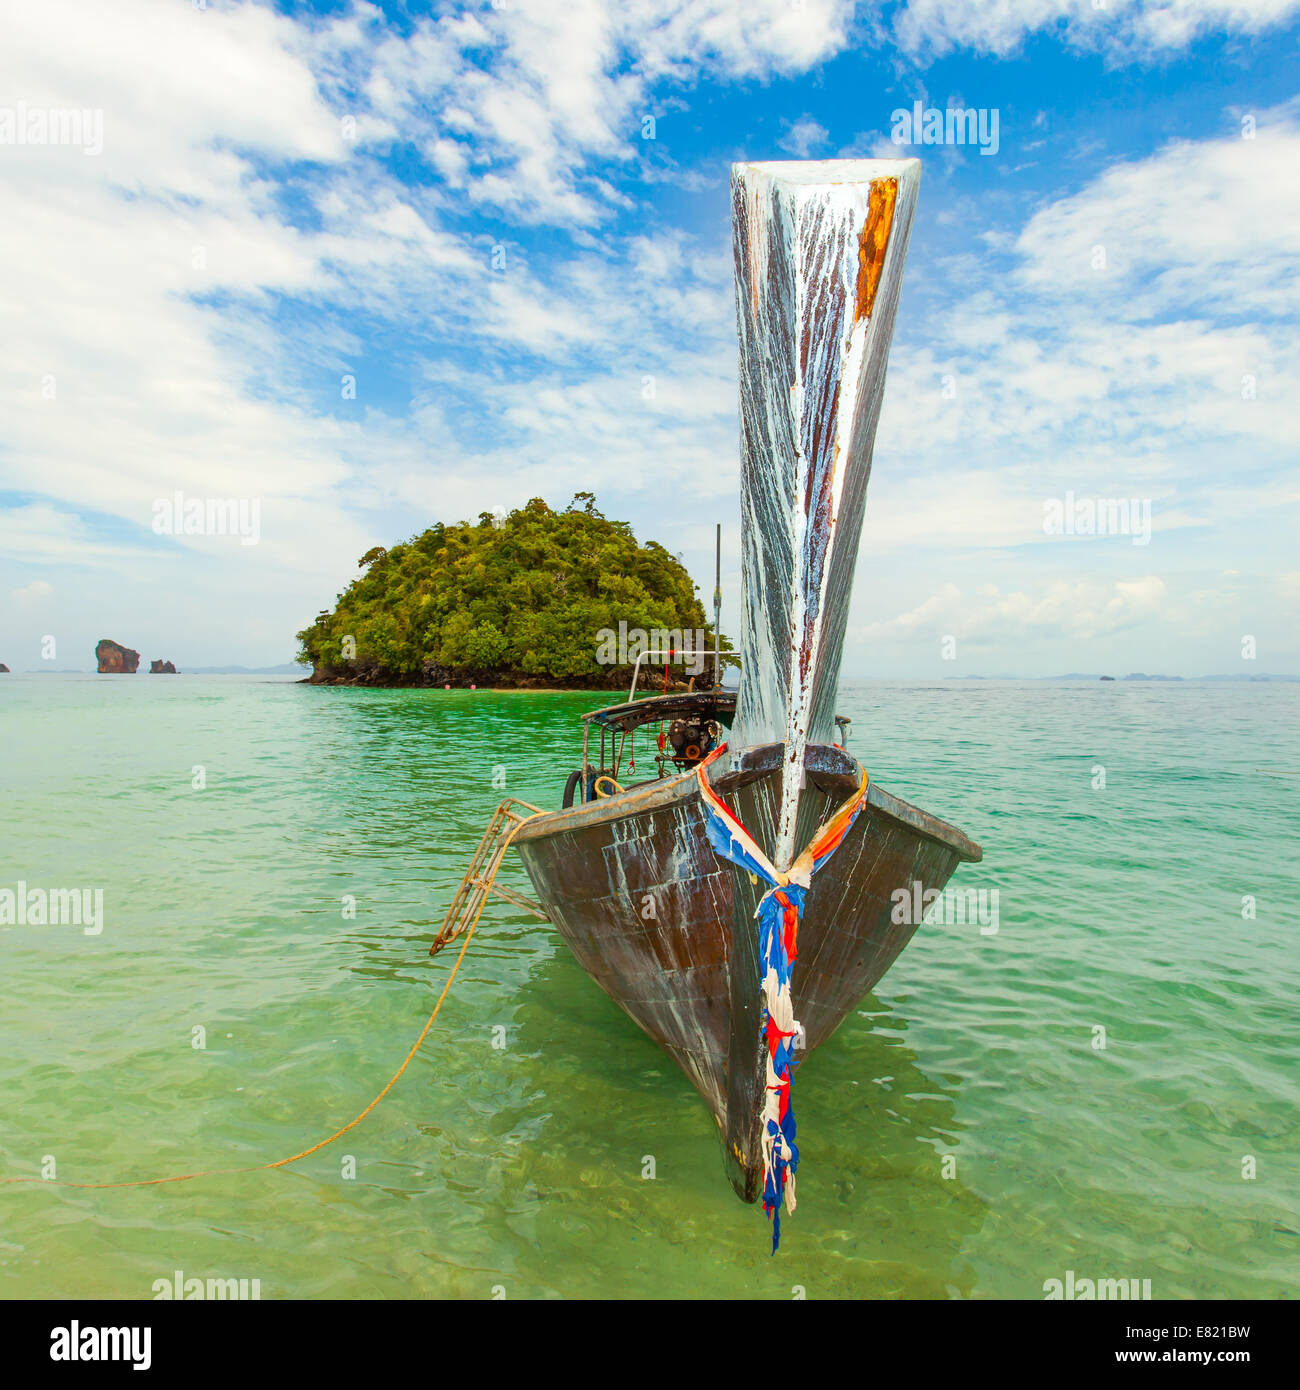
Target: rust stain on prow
column 872, row 244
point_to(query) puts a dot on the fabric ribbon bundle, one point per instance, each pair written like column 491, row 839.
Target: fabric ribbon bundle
column 778, row 915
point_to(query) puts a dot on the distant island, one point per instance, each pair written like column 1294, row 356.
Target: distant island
column 516, row 601
column 114, row 659
column 285, row 668
column 1132, row 676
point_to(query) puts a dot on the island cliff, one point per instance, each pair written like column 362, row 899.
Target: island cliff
column 115, row 659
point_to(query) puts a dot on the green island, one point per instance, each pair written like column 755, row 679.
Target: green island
column 533, row 599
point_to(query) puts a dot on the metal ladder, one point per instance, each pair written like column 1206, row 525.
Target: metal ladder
column 480, row 882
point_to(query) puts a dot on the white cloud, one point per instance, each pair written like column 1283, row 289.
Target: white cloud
column 804, row 138
column 41, row 534
column 33, row 592
column 933, row 28
column 1204, row 226
column 1081, row 610
column 1161, row 376
column 759, row 38
column 520, row 106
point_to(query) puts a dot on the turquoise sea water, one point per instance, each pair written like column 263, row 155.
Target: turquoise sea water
column 519, row 1167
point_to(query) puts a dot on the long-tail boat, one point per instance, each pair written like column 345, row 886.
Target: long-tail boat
column 738, row 904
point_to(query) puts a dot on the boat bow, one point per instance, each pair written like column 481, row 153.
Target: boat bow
column 686, row 899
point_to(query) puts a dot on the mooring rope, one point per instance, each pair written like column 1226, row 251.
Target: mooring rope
column 283, row 1162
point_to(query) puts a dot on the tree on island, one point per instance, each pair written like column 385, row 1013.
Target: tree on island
column 512, row 599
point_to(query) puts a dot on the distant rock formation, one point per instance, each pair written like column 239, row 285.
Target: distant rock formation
column 162, row 668
column 1105, row 678
column 115, row 659
column 4, row 670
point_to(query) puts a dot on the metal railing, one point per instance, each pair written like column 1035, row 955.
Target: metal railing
column 660, row 654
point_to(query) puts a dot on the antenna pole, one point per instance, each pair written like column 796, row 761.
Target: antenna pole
column 717, row 612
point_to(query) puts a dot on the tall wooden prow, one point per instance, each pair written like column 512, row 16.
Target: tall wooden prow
column 819, row 250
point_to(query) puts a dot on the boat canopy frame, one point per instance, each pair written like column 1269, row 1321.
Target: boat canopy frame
column 631, row 714
column 621, row 720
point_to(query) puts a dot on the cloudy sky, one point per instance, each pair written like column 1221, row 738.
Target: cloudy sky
column 377, row 265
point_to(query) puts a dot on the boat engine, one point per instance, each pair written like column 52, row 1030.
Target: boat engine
column 692, row 739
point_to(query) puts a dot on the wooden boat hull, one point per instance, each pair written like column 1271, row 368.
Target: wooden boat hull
column 666, row 928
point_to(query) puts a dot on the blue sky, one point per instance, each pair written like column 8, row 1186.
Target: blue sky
column 457, row 208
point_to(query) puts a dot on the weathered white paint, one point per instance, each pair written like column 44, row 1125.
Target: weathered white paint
column 812, row 375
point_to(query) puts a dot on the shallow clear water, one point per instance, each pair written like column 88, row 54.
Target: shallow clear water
column 520, row 1167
